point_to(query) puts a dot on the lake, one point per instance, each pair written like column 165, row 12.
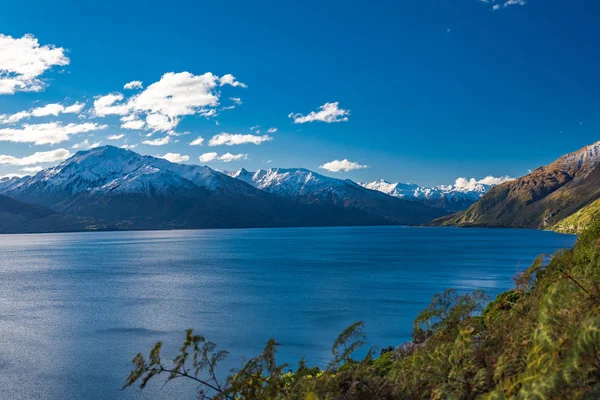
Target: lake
column 75, row 308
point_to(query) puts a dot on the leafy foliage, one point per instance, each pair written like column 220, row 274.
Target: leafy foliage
column 540, row 340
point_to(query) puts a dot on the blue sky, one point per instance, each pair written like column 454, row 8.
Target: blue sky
column 426, row 91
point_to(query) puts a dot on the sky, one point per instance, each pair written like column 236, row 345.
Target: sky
column 414, row 91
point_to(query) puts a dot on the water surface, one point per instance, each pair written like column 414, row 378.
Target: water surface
column 75, row 308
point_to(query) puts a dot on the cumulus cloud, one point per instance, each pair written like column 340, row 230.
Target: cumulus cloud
column 133, row 85
column 161, row 122
column 161, row 105
column 229, row 79
column 230, row 139
column 197, row 142
column 53, row 109
column 328, row 112
column 36, row 158
column 23, row 61
column 208, row 157
column 86, row 145
column 158, row 142
column 227, row 157
column 175, row 157
column 116, row 137
column 343, row 165
column 129, row 146
column 110, row 104
column 470, row 184
column 132, row 122
column 272, row 130
column 50, row 133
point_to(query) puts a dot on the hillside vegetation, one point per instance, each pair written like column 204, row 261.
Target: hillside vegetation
column 579, row 221
column 540, row 340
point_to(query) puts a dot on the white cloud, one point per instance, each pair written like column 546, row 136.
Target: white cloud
column 23, row 61
column 32, row 170
column 75, row 108
column 229, row 79
column 229, row 139
column 132, row 122
column 53, row 109
column 329, row 112
column 163, row 103
column 227, row 157
column 116, row 137
column 50, row 133
column 343, row 165
column 129, row 146
column 255, row 127
column 161, row 122
column 36, row 158
column 497, row 5
column 197, row 142
column 48, row 109
column 14, row 118
column 158, row 142
column 110, row 104
column 272, row 130
column 470, row 184
column 236, row 100
column 175, row 157
column 133, row 85
column 86, row 145
column 208, row 157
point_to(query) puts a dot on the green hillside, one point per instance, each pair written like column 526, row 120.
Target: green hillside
column 579, row 221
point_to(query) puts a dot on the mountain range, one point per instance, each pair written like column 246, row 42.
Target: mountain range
column 451, row 198
column 543, row 199
column 112, row 188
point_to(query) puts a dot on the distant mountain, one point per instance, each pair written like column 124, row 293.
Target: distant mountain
column 541, row 199
column 125, row 190
column 308, row 187
column 19, row 217
column 447, row 197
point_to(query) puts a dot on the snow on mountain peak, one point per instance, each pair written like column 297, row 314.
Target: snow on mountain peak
column 463, row 189
column 292, row 181
column 580, row 162
column 110, row 170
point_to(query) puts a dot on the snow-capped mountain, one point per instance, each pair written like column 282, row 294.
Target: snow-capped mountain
column 109, row 170
column 295, row 182
column 133, row 191
column 455, row 197
column 579, row 163
column 307, row 186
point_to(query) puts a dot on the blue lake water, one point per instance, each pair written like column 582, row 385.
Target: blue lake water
column 75, row 308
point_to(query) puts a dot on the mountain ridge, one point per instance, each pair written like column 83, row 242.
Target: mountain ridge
column 540, row 199
column 132, row 191
column 309, row 187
